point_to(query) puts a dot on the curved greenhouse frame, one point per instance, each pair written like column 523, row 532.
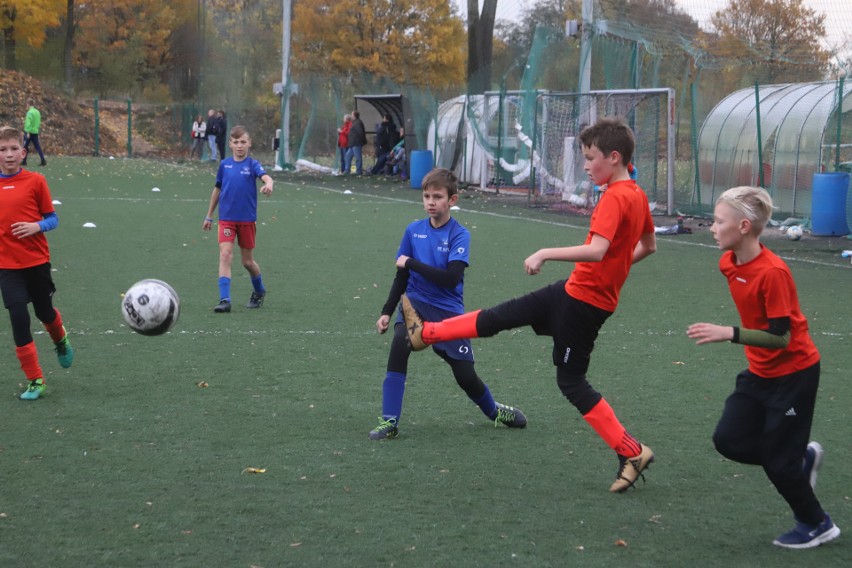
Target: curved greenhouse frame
column 800, row 134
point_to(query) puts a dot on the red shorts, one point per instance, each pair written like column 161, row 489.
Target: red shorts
column 243, row 232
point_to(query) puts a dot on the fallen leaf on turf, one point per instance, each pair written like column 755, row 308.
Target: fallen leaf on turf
column 581, row 547
column 202, row 384
column 254, row 470
column 295, row 544
column 620, row 542
column 678, row 363
column 655, row 518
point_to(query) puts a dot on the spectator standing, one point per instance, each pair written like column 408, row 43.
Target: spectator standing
column 222, row 129
column 357, row 141
column 343, row 140
column 212, row 133
column 32, row 125
column 199, row 131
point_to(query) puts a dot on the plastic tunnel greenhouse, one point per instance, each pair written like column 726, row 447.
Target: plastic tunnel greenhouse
column 777, row 136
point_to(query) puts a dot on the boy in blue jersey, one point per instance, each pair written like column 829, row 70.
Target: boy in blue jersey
column 236, row 195
column 430, row 264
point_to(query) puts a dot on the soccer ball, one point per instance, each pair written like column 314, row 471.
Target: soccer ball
column 150, row 307
column 795, row 232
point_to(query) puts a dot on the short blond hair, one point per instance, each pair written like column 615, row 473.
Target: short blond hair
column 753, row 203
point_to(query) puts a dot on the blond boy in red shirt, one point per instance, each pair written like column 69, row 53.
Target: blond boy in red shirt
column 767, row 419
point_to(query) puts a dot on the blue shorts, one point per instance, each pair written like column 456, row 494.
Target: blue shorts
column 458, row 349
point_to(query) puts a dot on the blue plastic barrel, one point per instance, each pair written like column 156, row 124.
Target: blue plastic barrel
column 828, row 208
column 421, row 164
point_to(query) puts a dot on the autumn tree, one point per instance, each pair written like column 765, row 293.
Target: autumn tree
column 416, row 42
column 26, row 21
column 779, row 39
column 243, row 54
column 123, row 43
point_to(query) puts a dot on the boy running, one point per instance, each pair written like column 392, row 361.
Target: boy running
column 572, row 311
column 767, row 420
column 430, row 266
column 26, row 213
column 236, row 195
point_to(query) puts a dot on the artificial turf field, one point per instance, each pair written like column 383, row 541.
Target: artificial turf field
column 140, row 454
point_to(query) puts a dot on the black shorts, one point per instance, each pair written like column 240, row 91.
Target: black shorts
column 573, row 324
column 23, row 285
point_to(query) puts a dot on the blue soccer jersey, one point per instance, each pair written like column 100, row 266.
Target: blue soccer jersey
column 238, row 184
column 437, row 248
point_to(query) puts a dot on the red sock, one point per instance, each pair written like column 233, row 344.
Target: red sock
column 55, row 329
column 603, row 420
column 28, row 356
column 459, row 327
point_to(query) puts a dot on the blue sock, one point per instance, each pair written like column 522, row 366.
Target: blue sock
column 486, row 404
column 393, row 390
column 224, row 288
column 257, row 282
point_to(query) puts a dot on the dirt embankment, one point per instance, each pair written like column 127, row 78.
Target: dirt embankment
column 68, row 126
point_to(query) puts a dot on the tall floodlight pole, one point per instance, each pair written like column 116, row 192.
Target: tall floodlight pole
column 586, row 47
column 284, row 150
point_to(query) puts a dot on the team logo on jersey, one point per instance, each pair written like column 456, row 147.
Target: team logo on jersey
column 226, row 232
column 460, row 250
column 464, row 349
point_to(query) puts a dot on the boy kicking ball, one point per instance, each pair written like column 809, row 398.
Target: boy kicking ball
column 572, row 311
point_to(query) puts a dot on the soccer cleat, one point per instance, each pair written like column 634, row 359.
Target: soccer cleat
column 256, row 299
column 510, row 416
column 223, row 307
column 34, row 390
column 413, row 325
column 630, row 469
column 64, row 352
column 813, row 461
column 808, row 536
column 386, row 430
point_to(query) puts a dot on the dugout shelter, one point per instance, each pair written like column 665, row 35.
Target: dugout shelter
column 373, row 107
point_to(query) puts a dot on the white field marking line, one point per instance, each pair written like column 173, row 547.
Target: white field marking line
column 381, row 198
column 308, row 332
column 124, row 329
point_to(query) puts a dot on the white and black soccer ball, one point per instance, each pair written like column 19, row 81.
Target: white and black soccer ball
column 150, row 307
column 795, row 232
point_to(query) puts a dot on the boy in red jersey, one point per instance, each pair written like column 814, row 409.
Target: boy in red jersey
column 767, row 420
column 572, row 311
column 26, row 213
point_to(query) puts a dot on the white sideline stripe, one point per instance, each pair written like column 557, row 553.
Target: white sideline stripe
column 381, row 198
column 371, row 332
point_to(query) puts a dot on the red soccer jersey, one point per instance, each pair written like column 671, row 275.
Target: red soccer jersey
column 762, row 289
column 622, row 216
column 23, row 197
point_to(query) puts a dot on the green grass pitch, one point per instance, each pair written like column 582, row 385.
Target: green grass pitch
column 130, row 460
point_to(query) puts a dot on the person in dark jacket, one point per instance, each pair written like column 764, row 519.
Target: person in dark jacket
column 222, row 129
column 386, row 138
column 357, row 141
